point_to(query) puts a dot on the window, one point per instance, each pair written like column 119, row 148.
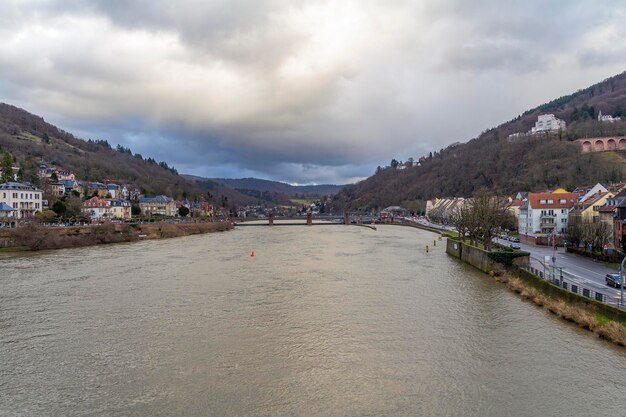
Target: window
column 563, row 211
column 563, row 221
column 14, row 195
column 562, row 201
column 542, row 201
column 550, row 201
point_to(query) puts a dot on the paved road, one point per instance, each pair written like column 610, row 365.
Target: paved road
column 585, row 271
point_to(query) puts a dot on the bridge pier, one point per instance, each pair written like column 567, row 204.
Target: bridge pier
column 271, row 219
column 309, row 219
column 346, row 217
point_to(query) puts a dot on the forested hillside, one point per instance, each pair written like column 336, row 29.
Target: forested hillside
column 242, row 196
column 29, row 138
column 507, row 165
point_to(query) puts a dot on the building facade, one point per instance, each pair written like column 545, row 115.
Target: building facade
column 7, row 215
column 107, row 208
column 24, row 198
column 159, row 205
column 547, row 123
column 546, row 213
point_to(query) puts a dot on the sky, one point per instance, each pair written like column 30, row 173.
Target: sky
column 305, row 92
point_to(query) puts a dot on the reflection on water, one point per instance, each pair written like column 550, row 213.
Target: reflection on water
column 322, row 321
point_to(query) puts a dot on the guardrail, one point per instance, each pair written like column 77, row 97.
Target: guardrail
column 565, row 281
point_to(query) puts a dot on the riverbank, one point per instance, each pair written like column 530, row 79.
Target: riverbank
column 33, row 237
column 587, row 315
column 606, row 321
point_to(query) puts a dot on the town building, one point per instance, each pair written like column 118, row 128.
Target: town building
column 587, row 210
column 46, row 172
column 71, row 185
column 514, row 207
column 23, row 197
column 107, row 208
column 390, row 213
column 589, row 192
column 546, row 213
column 547, row 123
column 55, row 188
column 159, row 205
column 96, row 189
column 113, row 190
column 7, row 215
column 607, row 118
column 619, row 227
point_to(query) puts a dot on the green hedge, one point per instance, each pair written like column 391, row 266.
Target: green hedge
column 506, row 258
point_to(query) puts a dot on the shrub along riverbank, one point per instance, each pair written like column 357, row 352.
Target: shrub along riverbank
column 35, row 237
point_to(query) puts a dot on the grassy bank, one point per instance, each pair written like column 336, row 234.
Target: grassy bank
column 587, row 315
column 33, row 237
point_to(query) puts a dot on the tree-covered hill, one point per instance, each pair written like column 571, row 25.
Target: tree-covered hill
column 508, row 165
column 280, row 187
column 29, row 138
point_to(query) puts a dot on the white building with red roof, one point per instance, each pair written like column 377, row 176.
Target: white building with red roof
column 546, row 213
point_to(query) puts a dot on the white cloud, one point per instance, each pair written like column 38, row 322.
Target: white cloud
column 333, row 88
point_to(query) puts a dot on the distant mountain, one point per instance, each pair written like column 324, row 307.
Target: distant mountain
column 508, row 165
column 280, row 187
column 241, row 195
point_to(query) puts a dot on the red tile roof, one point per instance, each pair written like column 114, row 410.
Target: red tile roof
column 535, row 198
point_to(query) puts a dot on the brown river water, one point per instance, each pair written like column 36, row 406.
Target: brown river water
column 322, row 321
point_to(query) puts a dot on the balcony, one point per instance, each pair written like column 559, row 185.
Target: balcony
column 548, row 225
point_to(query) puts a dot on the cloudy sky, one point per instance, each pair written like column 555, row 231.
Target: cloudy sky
column 298, row 91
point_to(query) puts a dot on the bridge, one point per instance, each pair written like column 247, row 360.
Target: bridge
column 272, row 220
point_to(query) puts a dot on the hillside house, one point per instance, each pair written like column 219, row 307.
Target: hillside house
column 607, row 118
column 55, row 188
column 547, row 123
column 71, row 185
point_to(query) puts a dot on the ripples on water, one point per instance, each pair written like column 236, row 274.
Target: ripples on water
column 322, row 321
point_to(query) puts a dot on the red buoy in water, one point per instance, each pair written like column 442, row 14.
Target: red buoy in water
column 252, row 254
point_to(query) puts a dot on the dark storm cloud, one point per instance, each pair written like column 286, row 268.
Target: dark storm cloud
column 314, row 91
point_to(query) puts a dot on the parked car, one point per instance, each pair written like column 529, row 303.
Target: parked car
column 514, row 239
column 613, row 280
column 515, row 246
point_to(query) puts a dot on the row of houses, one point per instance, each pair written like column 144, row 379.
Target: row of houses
column 551, row 215
column 21, row 201
column 98, row 208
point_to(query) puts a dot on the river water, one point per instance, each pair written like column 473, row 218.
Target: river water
column 322, row 321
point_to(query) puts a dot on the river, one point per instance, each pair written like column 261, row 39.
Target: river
column 322, row 321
